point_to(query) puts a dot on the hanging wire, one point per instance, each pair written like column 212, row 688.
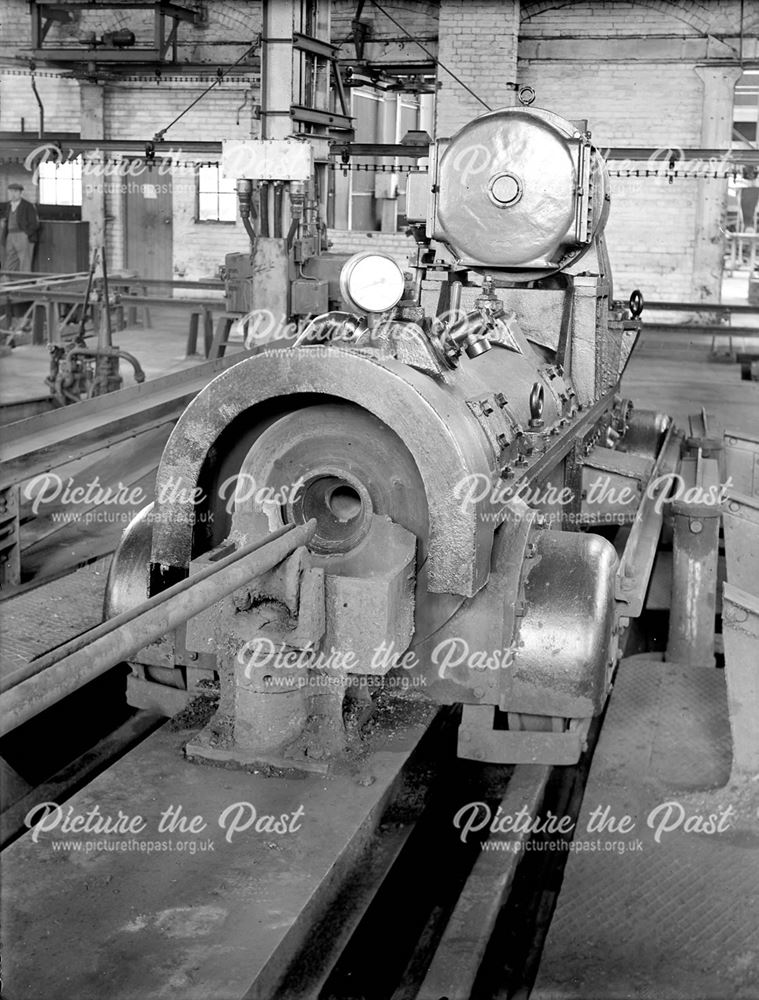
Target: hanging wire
column 434, row 58
column 220, row 75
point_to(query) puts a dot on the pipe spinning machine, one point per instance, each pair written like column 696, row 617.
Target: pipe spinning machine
column 477, row 494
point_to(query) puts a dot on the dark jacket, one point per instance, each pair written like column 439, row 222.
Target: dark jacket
column 26, row 215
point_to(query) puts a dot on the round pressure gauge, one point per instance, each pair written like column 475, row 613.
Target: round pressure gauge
column 371, row 282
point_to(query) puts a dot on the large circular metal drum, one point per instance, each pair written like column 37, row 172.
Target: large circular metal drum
column 522, row 190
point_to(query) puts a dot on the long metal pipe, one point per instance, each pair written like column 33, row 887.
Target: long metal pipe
column 75, row 663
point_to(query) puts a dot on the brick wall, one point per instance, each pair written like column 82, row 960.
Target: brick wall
column 137, row 105
column 385, row 41
column 630, row 70
column 18, row 106
column 228, row 25
column 478, row 42
column 651, row 228
column 397, row 245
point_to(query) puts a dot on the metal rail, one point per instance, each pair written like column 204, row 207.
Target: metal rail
column 38, row 444
column 718, row 307
column 44, row 277
column 704, row 329
column 72, row 665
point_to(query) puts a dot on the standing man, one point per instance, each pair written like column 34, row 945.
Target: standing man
column 20, row 227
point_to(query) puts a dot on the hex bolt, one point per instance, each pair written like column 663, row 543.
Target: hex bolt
column 733, row 506
column 696, row 527
column 193, row 656
column 479, row 692
column 736, row 615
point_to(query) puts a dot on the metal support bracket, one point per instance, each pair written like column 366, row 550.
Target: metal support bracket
column 479, row 740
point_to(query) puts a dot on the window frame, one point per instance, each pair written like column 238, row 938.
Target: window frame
column 57, row 181
column 217, row 221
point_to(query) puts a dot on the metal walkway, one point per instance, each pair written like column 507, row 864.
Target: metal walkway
column 676, row 917
column 39, row 619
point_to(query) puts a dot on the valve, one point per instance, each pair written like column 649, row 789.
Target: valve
column 636, row 303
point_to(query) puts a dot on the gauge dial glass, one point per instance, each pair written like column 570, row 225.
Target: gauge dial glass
column 372, row 282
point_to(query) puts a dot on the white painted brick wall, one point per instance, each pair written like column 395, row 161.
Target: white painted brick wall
column 652, row 225
column 137, row 108
column 18, row 105
column 397, row 245
column 230, row 25
column 478, row 42
column 608, row 18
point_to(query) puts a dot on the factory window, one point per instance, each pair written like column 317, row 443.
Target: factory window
column 61, row 183
column 217, row 201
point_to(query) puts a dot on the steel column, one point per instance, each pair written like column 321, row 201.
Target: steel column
column 694, row 566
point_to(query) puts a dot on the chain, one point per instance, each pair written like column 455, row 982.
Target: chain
column 671, row 175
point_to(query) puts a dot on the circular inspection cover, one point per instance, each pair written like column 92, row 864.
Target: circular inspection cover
column 507, row 188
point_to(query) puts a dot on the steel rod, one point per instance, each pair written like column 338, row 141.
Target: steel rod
column 75, row 663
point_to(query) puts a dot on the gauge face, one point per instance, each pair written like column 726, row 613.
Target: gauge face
column 372, row 282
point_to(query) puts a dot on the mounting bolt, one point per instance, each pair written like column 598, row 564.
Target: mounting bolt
column 696, row 527
column 193, row 656
column 479, row 692
column 737, row 615
column 733, row 506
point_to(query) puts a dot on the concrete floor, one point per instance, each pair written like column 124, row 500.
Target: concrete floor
column 673, row 373
column 160, row 350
